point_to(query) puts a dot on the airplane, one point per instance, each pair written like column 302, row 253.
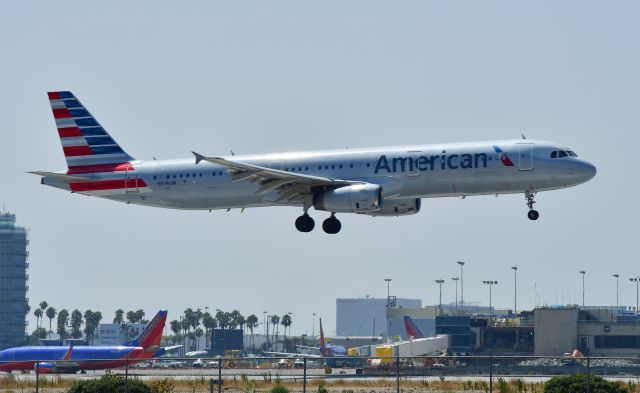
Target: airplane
column 62, row 359
column 331, row 354
column 378, row 182
column 412, row 329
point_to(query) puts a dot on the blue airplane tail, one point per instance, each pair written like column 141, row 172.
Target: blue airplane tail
column 412, row 328
column 152, row 334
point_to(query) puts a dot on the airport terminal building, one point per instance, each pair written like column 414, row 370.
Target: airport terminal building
column 367, row 316
column 13, row 282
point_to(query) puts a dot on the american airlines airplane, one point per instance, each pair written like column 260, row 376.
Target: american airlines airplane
column 378, row 182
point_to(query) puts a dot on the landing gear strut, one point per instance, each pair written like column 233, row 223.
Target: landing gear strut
column 305, row 223
column 331, row 225
column 532, row 214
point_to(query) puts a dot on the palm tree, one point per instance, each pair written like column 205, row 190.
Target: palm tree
column 91, row 322
column 275, row 320
column 76, row 322
column 63, row 320
column 140, row 316
column 286, row 322
column 38, row 313
column 252, row 322
column 198, row 333
column 50, row 313
column 119, row 317
column 209, row 324
column 43, row 305
column 132, row 317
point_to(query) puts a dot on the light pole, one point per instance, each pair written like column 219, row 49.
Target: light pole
column 461, row 263
column 490, row 283
column 266, row 328
column 388, row 280
column 313, row 330
column 515, row 290
column 583, row 273
column 440, row 282
column 637, row 281
column 617, row 276
column 456, row 279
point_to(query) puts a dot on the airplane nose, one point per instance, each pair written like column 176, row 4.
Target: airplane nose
column 587, row 171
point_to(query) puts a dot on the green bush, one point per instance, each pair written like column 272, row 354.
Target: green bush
column 279, row 389
column 109, row 384
column 578, row 384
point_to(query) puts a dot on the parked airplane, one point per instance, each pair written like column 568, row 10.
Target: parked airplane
column 372, row 181
column 412, row 329
column 61, row 359
column 332, row 354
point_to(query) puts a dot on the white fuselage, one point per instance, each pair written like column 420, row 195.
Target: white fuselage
column 411, row 172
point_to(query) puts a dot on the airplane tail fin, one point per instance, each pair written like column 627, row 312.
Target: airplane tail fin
column 412, row 328
column 86, row 145
column 152, row 334
column 323, row 345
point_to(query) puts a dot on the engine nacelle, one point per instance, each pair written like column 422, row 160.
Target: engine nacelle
column 359, row 198
column 398, row 207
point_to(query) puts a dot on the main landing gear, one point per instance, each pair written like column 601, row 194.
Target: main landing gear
column 331, row 225
column 532, row 214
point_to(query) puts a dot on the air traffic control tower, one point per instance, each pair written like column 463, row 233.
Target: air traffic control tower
column 13, row 281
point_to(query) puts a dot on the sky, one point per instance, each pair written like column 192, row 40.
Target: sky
column 165, row 78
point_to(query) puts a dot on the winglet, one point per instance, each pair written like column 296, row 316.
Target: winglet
column 199, row 157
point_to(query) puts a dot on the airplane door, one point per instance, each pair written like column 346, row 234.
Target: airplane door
column 525, row 157
column 130, row 181
column 412, row 163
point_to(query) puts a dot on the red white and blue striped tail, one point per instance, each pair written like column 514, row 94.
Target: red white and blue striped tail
column 86, row 145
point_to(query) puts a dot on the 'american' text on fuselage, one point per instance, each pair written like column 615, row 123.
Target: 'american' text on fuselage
column 424, row 163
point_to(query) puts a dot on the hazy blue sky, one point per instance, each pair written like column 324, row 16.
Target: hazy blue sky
column 165, row 78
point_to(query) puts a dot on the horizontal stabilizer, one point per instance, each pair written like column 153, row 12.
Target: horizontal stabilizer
column 63, row 177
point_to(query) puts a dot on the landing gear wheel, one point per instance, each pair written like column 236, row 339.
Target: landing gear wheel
column 331, row 225
column 533, row 214
column 305, row 223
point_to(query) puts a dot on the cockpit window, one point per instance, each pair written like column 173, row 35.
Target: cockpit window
column 563, row 153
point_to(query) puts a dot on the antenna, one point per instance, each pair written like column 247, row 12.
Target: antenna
column 523, row 136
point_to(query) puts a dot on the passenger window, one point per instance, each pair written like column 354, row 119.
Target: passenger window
column 174, row 176
column 168, row 176
column 562, row 153
column 319, row 167
column 350, row 165
column 200, row 174
column 340, row 166
column 333, row 167
column 306, row 168
column 368, row 164
column 220, row 173
column 187, row 175
column 326, row 167
column 155, row 177
column 554, row 154
column 299, row 169
column 213, row 173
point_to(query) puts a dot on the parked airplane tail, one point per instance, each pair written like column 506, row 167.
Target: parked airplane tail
column 86, row 145
column 152, row 334
column 412, row 328
column 324, row 350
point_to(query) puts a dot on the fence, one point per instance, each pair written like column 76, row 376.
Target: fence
column 333, row 375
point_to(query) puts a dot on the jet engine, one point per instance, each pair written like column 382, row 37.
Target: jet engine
column 398, row 207
column 359, row 198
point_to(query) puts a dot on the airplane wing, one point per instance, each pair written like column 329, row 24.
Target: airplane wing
column 171, row 348
column 63, row 177
column 290, row 186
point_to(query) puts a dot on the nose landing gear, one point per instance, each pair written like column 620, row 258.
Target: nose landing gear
column 532, row 214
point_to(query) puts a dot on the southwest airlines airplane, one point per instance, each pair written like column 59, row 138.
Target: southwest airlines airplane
column 377, row 182
column 59, row 359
